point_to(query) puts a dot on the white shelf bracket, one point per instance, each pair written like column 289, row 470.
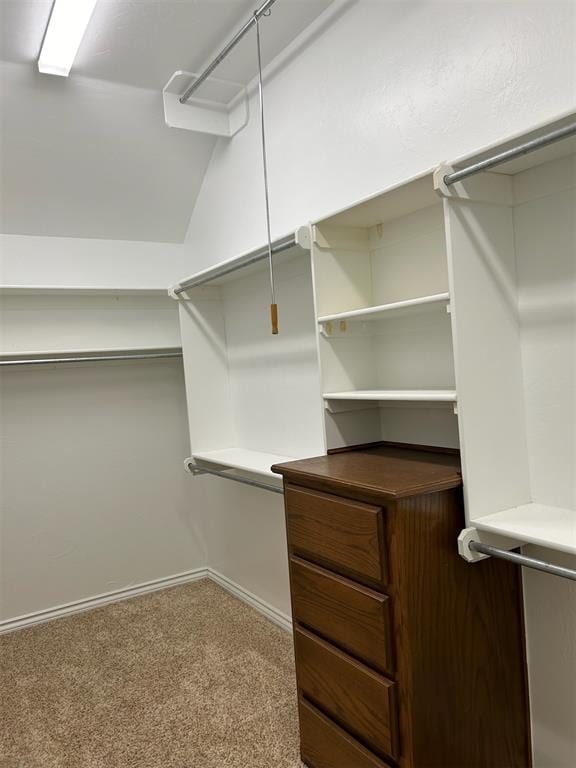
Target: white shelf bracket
column 474, row 545
column 225, row 113
column 492, row 188
column 468, row 535
column 440, row 187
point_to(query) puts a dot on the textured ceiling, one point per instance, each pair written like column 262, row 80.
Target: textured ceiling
column 89, row 155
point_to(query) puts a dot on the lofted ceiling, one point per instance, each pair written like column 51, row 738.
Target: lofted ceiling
column 89, row 155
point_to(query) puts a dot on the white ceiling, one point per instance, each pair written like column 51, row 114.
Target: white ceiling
column 90, row 156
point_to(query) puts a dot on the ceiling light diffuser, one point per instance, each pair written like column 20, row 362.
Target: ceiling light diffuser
column 68, row 22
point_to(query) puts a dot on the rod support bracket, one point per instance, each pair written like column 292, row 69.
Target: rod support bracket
column 440, row 186
column 468, row 535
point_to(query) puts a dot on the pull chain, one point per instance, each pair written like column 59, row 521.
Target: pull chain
column 273, row 305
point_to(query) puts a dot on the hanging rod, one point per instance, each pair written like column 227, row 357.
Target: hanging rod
column 49, row 360
column 278, row 246
column 262, row 11
column 527, row 562
column 511, row 154
column 194, row 469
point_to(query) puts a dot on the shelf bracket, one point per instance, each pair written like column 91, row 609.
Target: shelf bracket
column 469, row 535
column 473, row 546
column 491, row 188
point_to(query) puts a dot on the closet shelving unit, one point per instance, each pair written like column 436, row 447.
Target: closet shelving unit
column 64, row 324
column 512, row 257
column 382, row 299
column 252, row 397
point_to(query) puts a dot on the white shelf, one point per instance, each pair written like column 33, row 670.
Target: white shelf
column 399, row 395
column 256, row 462
column 67, row 290
column 551, row 527
column 434, row 302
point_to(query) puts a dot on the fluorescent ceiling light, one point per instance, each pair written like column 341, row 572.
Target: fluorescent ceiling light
column 66, row 29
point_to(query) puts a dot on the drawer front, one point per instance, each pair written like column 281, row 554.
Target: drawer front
column 324, row 745
column 352, row 617
column 356, row 698
column 344, row 535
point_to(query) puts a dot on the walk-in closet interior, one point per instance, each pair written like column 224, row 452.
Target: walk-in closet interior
column 288, row 384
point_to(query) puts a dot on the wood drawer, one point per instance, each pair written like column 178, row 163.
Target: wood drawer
column 356, row 698
column 324, row 745
column 344, row 535
column 352, row 617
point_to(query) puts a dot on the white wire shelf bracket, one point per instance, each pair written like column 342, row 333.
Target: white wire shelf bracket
column 378, row 311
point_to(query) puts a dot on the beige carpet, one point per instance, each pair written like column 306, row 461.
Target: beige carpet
column 188, row 677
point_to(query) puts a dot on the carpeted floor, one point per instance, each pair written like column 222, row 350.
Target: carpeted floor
column 189, row 677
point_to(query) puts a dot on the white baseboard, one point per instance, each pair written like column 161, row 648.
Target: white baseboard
column 79, row 606
column 40, row 617
column 272, row 613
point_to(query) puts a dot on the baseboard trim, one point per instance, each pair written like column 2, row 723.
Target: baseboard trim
column 79, row 606
column 266, row 609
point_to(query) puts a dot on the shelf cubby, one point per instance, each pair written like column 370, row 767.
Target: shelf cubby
column 253, row 398
column 385, row 338
column 513, row 281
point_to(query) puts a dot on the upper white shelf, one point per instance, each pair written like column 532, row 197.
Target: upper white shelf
column 424, row 303
column 552, row 527
column 67, row 290
column 256, row 462
column 407, row 395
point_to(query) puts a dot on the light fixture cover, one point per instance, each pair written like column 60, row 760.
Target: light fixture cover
column 66, row 28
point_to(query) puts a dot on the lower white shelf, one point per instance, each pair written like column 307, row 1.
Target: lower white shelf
column 551, row 527
column 407, row 395
column 256, row 462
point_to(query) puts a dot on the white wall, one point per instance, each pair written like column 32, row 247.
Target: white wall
column 245, row 535
column 378, row 91
column 545, row 239
column 93, row 493
column 83, row 157
column 375, row 93
column 71, row 261
column 94, row 497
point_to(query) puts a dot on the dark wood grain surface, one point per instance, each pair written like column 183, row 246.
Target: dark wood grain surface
column 351, row 616
column 384, row 472
column 459, row 639
column 459, row 664
column 325, row 745
column 346, row 535
column 354, row 696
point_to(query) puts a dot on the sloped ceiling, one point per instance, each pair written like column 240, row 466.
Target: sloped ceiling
column 89, row 155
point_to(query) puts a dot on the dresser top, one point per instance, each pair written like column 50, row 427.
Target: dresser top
column 385, row 470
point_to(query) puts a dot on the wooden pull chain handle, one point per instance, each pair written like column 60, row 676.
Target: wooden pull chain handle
column 274, row 318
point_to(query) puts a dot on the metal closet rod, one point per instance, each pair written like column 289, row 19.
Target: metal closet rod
column 511, row 154
column 278, row 246
column 264, row 8
column 527, row 562
column 196, row 470
column 176, row 352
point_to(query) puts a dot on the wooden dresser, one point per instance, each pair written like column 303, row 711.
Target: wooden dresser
column 405, row 654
